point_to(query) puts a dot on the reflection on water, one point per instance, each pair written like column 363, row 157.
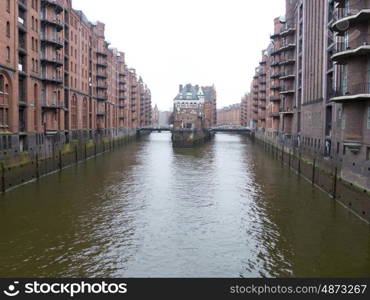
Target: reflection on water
column 226, row 209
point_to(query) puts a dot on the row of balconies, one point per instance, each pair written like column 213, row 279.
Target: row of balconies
column 349, row 15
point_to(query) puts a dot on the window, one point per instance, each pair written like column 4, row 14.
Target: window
column 368, row 117
column 367, row 153
column 7, row 53
column 74, row 112
column 4, row 101
column 8, row 5
column 345, row 80
column 7, row 29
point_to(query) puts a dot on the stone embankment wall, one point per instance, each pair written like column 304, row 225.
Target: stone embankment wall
column 323, row 173
column 21, row 168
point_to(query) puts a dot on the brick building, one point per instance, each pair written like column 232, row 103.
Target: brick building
column 311, row 90
column 195, row 107
column 59, row 79
column 230, row 115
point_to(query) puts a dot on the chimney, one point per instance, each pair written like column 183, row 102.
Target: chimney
column 180, row 88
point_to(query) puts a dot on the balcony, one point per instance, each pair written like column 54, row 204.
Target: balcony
column 287, row 61
column 275, row 99
column 52, row 79
column 53, row 21
column 101, row 112
column 343, row 51
column 22, row 68
column 22, row 24
column 101, row 53
column 275, row 87
column 285, row 90
column 102, row 85
column 287, row 111
column 275, row 63
column 287, row 30
column 101, row 64
column 275, row 115
column 287, row 46
column 287, row 76
column 54, row 3
column 102, row 97
column 101, row 75
column 275, row 75
column 22, row 4
column 275, row 36
column 274, row 52
column 48, row 59
column 352, row 93
column 51, row 104
column 124, row 74
column 349, row 18
column 55, row 41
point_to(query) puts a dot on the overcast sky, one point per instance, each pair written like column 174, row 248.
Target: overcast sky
column 172, row 42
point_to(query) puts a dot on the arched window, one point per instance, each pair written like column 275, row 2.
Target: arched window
column 85, row 113
column 4, row 101
column 74, row 112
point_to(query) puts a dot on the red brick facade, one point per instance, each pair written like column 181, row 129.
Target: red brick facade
column 60, row 80
column 311, row 91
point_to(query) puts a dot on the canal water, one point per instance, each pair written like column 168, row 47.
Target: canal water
column 225, row 209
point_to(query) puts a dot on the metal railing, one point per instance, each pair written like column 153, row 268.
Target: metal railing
column 343, row 46
column 351, row 90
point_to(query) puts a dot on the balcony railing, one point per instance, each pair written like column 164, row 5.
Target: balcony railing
column 343, row 17
column 102, row 85
column 101, row 74
column 102, row 97
column 352, row 90
column 23, row 4
column 55, row 40
column 52, row 20
column 287, row 89
column 22, row 24
column 344, row 50
column 52, row 78
column 100, row 63
column 287, row 29
column 51, row 103
column 52, row 59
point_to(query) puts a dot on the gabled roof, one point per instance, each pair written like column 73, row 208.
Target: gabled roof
column 188, row 92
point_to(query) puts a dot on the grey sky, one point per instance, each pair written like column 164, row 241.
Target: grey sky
column 172, row 42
